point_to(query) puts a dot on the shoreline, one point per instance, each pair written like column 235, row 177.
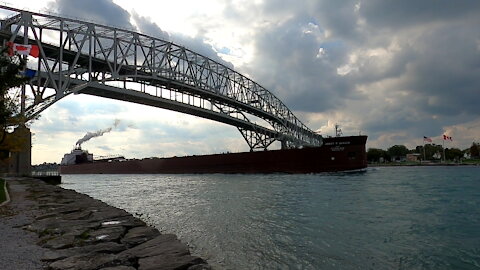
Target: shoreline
column 7, row 196
column 69, row 230
column 393, row 164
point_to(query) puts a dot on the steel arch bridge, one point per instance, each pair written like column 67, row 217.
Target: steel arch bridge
column 83, row 57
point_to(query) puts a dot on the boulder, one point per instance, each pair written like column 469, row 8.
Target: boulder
column 139, row 235
column 168, row 262
column 162, row 244
column 86, row 262
column 121, row 267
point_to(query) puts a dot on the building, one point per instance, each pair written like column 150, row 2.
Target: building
column 414, row 157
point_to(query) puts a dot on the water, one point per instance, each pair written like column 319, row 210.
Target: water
column 386, row 218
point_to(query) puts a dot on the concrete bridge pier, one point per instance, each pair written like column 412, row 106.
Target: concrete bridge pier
column 17, row 153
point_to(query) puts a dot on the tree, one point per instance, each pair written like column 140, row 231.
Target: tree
column 475, row 150
column 10, row 77
column 397, row 151
column 431, row 150
column 453, row 153
column 374, row 154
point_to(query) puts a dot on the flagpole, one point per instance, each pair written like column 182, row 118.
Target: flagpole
column 443, row 146
column 424, row 156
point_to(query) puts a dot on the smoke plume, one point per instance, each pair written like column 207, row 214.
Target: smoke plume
column 97, row 133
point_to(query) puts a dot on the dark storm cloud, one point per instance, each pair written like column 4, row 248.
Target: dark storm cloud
column 338, row 16
column 419, row 61
column 100, row 11
column 288, row 61
column 409, row 66
column 411, row 13
column 446, row 69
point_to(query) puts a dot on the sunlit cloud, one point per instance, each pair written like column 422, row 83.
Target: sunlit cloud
column 395, row 71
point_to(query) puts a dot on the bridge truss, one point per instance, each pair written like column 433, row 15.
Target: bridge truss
column 84, row 57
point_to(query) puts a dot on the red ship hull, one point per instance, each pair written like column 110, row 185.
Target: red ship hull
column 336, row 154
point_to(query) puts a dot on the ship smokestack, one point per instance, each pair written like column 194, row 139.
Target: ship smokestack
column 97, row 133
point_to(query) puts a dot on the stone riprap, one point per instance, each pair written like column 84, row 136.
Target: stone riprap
column 75, row 231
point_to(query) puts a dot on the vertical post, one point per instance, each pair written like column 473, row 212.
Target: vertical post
column 443, row 146
column 115, row 71
column 424, row 155
column 60, row 60
column 153, row 55
column 22, row 101
column 27, row 18
column 135, row 60
column 39, row 66
column 23, row 156
column 90, row 51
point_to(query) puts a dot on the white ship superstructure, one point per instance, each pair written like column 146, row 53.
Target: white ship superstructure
column 77, row 156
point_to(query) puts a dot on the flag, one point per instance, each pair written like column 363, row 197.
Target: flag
column 23, row 49
column 427, row 139
column 30, row 73
column 445, row 137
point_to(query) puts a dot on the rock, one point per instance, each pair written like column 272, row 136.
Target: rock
column 200, row 267
column 49, row 215
column 139, row 235
column 51, row 256
column 60, row 242
column 106, row 234
column 86, row 262
column 127, row 221
column 80, row 215
column 84, row 233
column 168, row 262
column 108, row 247
column 108, row 213
column 59, row 225
column 50, row 205
column 79, row 232
column 121, row 267
column 162, row 244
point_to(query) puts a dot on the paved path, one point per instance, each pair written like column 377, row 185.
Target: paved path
column 18, row 249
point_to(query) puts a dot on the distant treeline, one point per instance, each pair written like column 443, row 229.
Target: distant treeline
column 431, row 152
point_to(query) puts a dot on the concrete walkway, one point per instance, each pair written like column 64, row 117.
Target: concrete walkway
column 18, row 249
column 45, row 226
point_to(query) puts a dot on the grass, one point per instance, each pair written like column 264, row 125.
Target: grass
column 471, row 161
column 3, row 197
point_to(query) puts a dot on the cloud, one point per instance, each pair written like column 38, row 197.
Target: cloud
column 98, row 11
column 109, row 13
column 396, row 71
column 287, row 62
column 392, row 68
column 146, row 26
column 411, row 13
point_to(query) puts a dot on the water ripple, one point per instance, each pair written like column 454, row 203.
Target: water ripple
column 386, row 218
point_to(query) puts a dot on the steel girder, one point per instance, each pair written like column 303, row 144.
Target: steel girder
column 83, row 57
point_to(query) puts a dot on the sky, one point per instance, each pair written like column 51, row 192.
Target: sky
column 393, row 70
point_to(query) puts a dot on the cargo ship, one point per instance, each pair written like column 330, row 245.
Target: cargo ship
column 343, row 153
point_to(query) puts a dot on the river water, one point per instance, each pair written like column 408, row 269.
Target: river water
column 385, row 218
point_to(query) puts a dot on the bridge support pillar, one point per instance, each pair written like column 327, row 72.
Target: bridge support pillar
column 284, row 144
column 256, row 141
column 16, row 153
